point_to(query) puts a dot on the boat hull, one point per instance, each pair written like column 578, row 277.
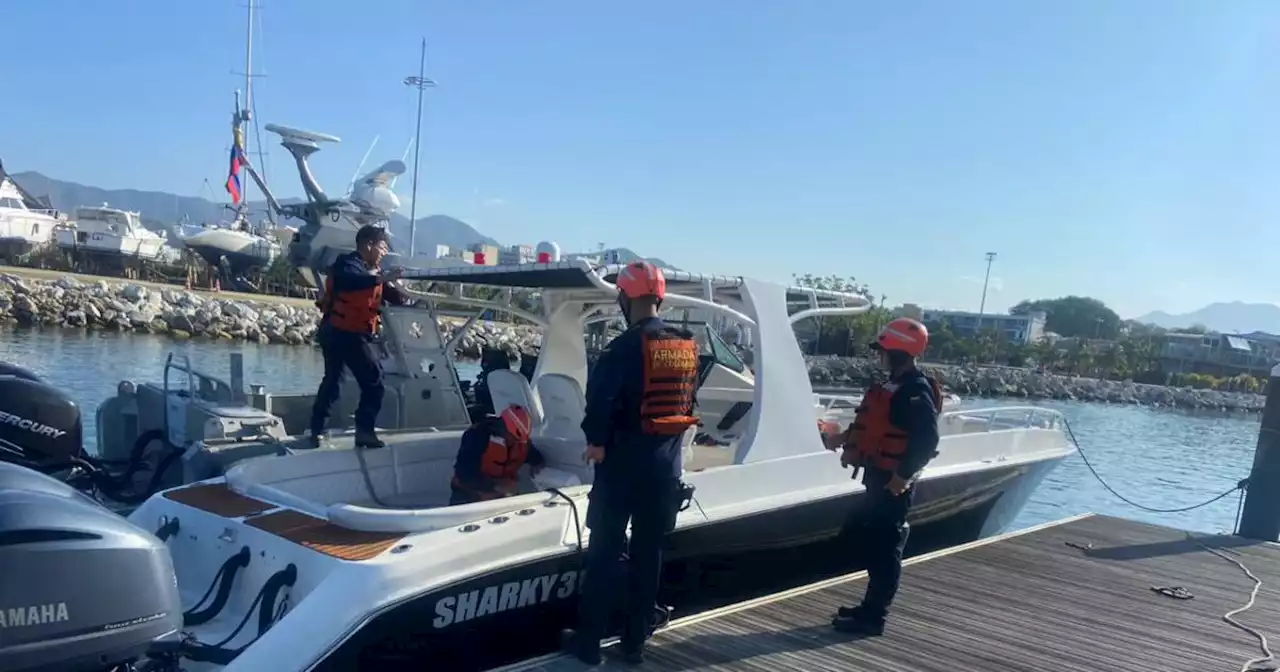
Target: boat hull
column 517, row 613
column 243, row 253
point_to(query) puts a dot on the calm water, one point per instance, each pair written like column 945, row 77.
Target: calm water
column 1163, row 459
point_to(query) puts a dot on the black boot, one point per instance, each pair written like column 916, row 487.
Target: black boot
column 367, row 438
column 632, row 655
column 586, row 652
column 858, row 620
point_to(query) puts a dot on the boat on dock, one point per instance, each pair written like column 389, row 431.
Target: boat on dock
column 288, row 558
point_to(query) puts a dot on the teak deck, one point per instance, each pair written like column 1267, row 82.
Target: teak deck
column 218, row 499
column 1071, row 596
column 322, row 536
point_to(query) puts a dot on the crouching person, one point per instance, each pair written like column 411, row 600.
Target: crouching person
column 490, row 457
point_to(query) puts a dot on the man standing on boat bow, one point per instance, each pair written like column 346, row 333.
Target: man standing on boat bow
column 640, row 400
column 893, row 436
column 354, row 292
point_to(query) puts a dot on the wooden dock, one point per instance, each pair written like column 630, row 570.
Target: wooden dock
column 1072, row 596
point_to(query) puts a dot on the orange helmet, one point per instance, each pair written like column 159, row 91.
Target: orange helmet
column 903, row 334
column 516, row 420
column 641, row 278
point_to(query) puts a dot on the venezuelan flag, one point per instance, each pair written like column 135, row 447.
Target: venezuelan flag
column 233, row 176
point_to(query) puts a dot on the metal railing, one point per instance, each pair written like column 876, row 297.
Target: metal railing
column 1002, row 417
column 199, row 385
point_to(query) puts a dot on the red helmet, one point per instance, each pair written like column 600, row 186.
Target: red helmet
column 641, row 278
column 903, row 334
column 517, row 422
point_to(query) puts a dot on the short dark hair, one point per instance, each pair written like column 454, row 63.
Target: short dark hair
column 371, row 234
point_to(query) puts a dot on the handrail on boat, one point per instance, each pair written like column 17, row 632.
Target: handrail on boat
column 1007, row 417
column 194, row 377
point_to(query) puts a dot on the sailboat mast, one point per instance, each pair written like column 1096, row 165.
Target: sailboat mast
column 244, row 114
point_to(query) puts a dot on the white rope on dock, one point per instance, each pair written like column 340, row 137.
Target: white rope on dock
column 1229, row 617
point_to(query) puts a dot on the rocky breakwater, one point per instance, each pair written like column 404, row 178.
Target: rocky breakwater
column 67, row 302
column 989, row 381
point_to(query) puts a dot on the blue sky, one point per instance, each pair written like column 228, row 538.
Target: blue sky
column 1124, row 150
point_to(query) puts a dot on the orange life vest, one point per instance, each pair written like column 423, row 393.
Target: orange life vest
column 877, row 441
column 670, row 377
column 354, row 311
column 501, row 461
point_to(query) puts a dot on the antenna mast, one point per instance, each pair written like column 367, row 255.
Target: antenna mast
column 421, row 83
column 243, row 115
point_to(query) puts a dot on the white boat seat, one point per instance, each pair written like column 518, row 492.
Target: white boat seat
column 563, row 405
column 509, row 387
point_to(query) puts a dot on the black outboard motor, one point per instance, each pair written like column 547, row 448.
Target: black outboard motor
column 82, row 589
column 7, row 369
column 40, row 425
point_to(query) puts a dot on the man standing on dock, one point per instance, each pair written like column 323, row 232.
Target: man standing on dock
column 640, row 399
column 893, row 436
column 353, row 295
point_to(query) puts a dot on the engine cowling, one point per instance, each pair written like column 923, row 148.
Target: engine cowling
column 40, row 426
column 83, row 590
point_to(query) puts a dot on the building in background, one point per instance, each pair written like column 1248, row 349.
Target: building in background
column 1216, row 354
column 444, row 252
column 516, row 254
column 1019, row 329
column 490, row 253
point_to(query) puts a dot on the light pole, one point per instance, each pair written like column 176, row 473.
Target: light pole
column 421, row 83
column 982, row 307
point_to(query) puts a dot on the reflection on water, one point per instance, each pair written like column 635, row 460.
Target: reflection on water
column 1164, row 459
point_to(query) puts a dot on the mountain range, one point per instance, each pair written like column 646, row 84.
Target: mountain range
column 162, row 211
column 1235, row 317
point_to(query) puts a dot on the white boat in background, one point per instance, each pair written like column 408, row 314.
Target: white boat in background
column 107, row 232
column 25, row 224
column 239, row 245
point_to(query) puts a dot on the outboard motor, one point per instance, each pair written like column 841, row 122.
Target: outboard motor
column 7, row 369
column 40, row 426
column 57, row 612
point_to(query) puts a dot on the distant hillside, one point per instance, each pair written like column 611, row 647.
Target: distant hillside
column 1234, row 317
column 161, row 210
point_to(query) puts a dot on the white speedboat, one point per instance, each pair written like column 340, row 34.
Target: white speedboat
column 109, row 233
column 24, row 224
column 386, row 574
column 338, row 559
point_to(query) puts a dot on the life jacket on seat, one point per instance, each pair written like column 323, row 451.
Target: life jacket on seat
column 501, row 460
column 670, row 379
column 876, row 441
column 353, row 311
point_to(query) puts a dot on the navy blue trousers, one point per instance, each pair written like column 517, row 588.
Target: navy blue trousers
column 876, row 532
column 651, row 509
column 346, row 350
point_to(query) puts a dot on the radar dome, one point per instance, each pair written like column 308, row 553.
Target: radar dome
column 547, row 252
